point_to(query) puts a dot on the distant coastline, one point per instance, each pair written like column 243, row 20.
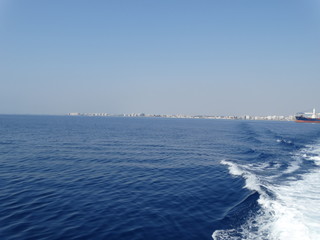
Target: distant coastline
column 245, row 117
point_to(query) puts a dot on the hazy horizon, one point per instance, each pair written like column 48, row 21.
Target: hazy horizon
column 160, row 57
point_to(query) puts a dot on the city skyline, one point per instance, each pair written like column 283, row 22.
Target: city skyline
column 230, row 117
column 168, row 57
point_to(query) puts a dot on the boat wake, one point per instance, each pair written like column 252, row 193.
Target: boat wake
column 288, row 208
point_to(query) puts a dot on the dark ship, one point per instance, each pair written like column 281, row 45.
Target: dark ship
column 312, row 117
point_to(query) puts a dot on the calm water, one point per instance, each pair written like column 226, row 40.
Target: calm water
column 142, row 178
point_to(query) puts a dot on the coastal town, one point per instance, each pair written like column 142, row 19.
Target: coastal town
column 245, row 117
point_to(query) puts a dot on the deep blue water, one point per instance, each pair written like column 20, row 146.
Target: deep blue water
column 146, row 178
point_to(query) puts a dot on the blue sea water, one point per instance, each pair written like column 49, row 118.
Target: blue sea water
column 115, row 178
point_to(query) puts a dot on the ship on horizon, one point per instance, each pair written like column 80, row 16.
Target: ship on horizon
column 308, row 117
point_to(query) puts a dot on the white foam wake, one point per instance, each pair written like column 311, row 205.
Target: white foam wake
column 293, row 211
column 297, row 209
column 252, row 182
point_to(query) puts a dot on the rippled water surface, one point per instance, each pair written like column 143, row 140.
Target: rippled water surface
column 146, row 178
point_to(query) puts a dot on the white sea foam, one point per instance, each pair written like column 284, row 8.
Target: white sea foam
column 252, row 182
column 297, row 209
column 293, row 212
column 233, row 168
column 294, row 165
column 284, row 141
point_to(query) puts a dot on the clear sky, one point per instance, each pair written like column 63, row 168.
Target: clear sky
column 217, row 57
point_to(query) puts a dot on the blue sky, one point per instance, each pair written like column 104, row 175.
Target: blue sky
column 218, row 57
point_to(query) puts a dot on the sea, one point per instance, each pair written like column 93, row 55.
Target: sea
column 116, row 178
